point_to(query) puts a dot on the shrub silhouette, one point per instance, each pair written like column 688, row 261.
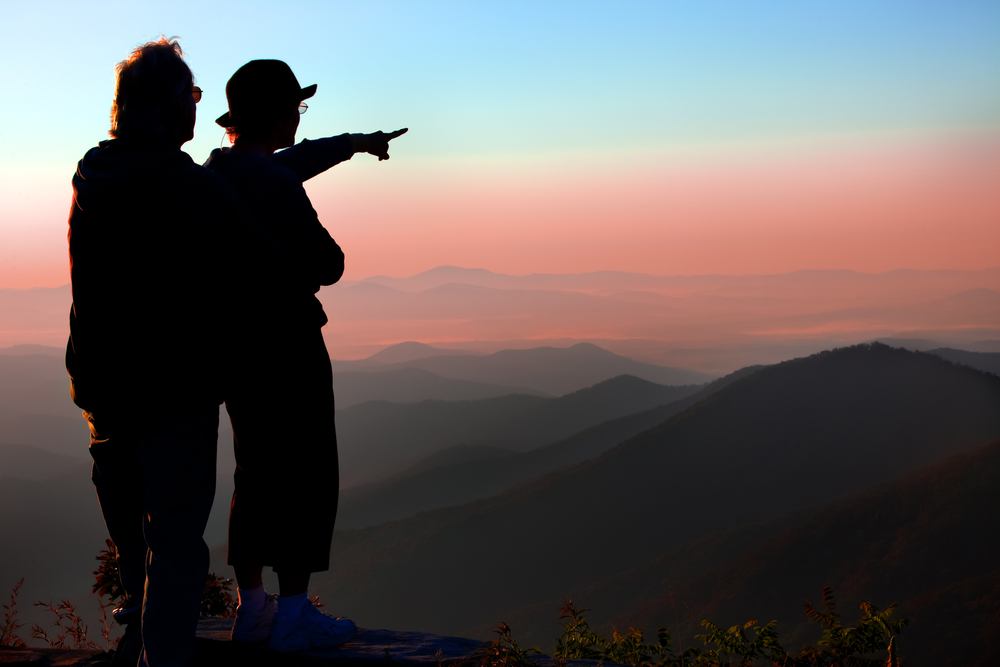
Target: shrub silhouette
column 838, row 646
column 217, row 600
column 8, row 630
column 107, row 583
column 875, row 632
column 502, row 651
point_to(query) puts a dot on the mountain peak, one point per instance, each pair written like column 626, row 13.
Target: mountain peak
column 411, row 350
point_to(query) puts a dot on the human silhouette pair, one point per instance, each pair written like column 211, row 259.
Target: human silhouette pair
column 193, row 286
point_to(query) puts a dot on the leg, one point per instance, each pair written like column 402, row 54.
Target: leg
column 308, row 476
column 118, row 481
column 287, row 476
column 287, row 484
column 177, row 458
column 248, row 576
column 298, row 625
column 291, row 583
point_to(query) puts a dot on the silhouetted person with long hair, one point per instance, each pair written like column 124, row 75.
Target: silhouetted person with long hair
column 280, row 395
column 146, row 240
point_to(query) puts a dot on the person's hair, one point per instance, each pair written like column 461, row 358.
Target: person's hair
column 249, row 131
column 147, row 86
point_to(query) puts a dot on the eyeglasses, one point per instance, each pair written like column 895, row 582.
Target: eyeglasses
column 303, row 107
column 196, row 94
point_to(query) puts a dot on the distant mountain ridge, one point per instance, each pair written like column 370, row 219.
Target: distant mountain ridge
column 377, row 439
column 464, row 473
column 603, row 281
column 410, row 350
column 791, row 436
column 555, row 371
column 395, row 354
column 988, row 362
column 412, row 385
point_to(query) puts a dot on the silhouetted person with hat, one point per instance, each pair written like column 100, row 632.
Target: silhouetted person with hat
column 280, row 398
column 148, row 236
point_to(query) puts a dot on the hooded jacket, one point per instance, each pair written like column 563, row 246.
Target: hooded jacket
column 152, row 279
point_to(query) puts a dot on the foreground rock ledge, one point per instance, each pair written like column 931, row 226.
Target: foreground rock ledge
column 369, row 647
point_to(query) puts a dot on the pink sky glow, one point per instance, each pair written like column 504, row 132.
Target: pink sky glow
column 867, row 206
column 869, row 209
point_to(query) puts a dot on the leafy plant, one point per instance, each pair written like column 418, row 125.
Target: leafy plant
column 839, row 645
column 107, row 581
column 8, row 630
column 503, row 651
column 578, row 641
column 629, row 649
column 218, row 599
column 732, row 647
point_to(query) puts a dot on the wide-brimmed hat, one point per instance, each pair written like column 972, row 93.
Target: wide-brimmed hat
column 260, row 90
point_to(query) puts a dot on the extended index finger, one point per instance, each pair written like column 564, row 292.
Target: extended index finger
column 392, row 135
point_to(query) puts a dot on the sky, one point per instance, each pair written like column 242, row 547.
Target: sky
column 563, row 137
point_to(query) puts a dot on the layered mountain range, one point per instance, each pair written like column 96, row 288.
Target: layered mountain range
column 775, row 446
column 868, row 468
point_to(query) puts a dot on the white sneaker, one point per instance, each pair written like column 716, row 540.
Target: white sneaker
column 252, row 627
column 310, row 629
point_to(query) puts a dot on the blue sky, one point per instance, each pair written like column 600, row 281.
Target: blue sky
column 566, row 82
column 475, row 77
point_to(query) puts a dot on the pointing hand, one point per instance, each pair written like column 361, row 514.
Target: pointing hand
column 376, row 143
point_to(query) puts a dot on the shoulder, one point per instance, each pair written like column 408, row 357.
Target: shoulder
column 277, row 183
column 201, row 174
column 279, row 175
column 209, row 189
column 251, row 170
